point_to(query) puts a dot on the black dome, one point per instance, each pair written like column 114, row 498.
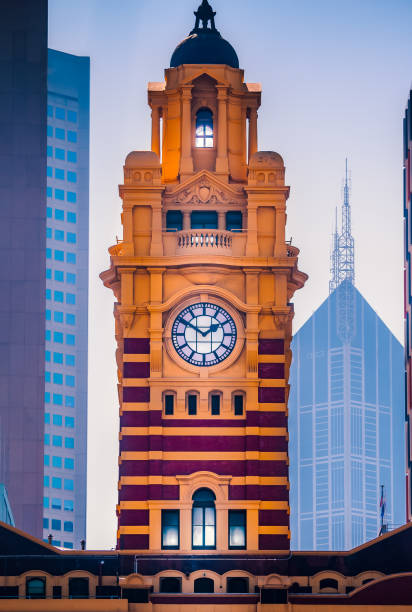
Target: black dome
column 204, row 45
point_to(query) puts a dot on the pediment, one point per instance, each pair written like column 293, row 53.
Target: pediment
column 205, row 189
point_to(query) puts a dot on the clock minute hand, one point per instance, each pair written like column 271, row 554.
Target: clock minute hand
column 213, row 328
column 189, row 325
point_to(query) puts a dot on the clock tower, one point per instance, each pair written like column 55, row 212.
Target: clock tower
column 203, row 280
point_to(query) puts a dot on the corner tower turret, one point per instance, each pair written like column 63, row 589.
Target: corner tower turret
column 203, row 280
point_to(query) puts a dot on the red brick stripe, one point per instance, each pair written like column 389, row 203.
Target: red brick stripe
column 134, row 542
column 271, row 347
column 144, row 492
column 136, row 394
column 271, row 395
column 270, row 370
column 273, row 517
column 139, row 346
column 134, row 517
column 273, row 542
column 136, row 370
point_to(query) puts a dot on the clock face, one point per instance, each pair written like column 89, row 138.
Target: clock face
column 204, row 334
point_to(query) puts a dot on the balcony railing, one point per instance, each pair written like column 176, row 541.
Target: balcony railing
column 204, row 241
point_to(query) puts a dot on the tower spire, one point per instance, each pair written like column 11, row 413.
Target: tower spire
column 204, row 14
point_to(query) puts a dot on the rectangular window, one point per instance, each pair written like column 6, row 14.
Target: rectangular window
column 71, row 197
column 59, row 194
column 71, row 217
column 71, row 258
column 57, row 420
column 49, row 171
column 46, row 439
column 70, row 339
column 60, row 113
column 49, row 212
column 71, row 237
column 71, row 116
column 57, row 461
column 56, row 483
column 59, row 276
column 68, row 526
column 68, row 463
column 47, row 397
column 69, row 399
column 59, row 214
column 238, row 405
column 71, row 136
column 59, row 173
column 215, row 405
column 67, row 545
column 45, row 523
column 59, row 153
column 58, row 297
column 48, row 232
column 59, row 235
column 57, row 399
column 47, row 377
column 58, row 316
column 49, row 111
column 68, row 505
column 68, row 484
column 72, row 156
column 58, row 358
column 72, row 177
column 57, row 441
column 237, row 528
column 46, row 481
column 49, row 131
column 48, row 356
column 48, row 332
column 192, row 404
column 56, row 524
column 71, row 278
column 48, row 253
column 49, row 192
column 48, row 297
column 170, row 529
column 169, row 404
column 60, row 134
column 46, row 460
column 48, row 273
column 69, row 442
column 56, row 503
column 46, row 502
column 59, row 255
column 49, row 151
column 70, row 298
column 70, row 360
column 70, row 380
column 70, row 319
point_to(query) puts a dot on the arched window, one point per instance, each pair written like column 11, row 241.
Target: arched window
column 204, row 585
column 170, row 584
column 35, row 588
column 328, row 583
column 78, row 588
column 204, row 128
column 204, row 519
column 237, row 584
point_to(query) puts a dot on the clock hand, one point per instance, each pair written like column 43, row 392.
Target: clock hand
column 189, row 324
column 213, row 328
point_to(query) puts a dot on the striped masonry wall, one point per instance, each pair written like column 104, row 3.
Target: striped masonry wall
column 252, row 450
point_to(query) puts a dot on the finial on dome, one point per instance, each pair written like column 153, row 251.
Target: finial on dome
column 204, row 14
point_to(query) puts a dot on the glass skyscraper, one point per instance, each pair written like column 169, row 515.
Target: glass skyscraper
column 346, row 426
column 66, row 333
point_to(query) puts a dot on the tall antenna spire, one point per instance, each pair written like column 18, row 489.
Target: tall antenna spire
column 343, row 267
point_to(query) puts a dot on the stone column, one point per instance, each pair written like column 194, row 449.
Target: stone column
column 186, row 161
column 253, row 136
column 222, row 164
column 221, row 220
column 252, row 249
column 156, row 130
column 156, row 245
column 186, row 220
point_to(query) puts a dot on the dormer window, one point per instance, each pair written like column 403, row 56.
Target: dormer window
column 204, row 128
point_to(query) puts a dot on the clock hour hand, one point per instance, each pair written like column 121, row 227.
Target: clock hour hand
column 189, row 325
column 213, row 328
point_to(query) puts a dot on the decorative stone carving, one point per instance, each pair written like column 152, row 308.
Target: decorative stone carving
column 282, row 317
column 205, row 192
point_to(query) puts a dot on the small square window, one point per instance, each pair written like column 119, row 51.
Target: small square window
column 70, row 360
column 58, row 297
column 48, row 253
column 46, row 502
column 71, row 136
column 69, row 442
column 49, row 151
column 70, row 298
column 58, row 358
column 169, row 404
column 59, row 276
column 58, row 316
column 70, row 339
column 56, row 503
column 56, row 483
column 49, row 111
column 46, row 481
column 72, row 177
column 72, row 156
column 69, row 505
column 71, row 217
column 68, row 526
column 68, row 484
column 57, row 420
column 70, row 380
column 58, row 235
column 59, row 173
column 215, row 404
column 71, row 278
column 59, row 153
column 49, row 131
column 48, row 273
column 57, row 378
column 68, row 463
column 192, row 404
column 70, row 319
column 49, row 212
column 57, row 399
column 57, row 462
column 57, row 441
column 71, row 116
column 59, row 255
column 46, row 460
column 71, row 258
column 49, row 192
column 49, row 171
column 59, row 194
column 59, row 214
column 45, row 523
column 60, row 134
column 71, row 237
column 71, row 197
column 69, row 399
column 56, row 524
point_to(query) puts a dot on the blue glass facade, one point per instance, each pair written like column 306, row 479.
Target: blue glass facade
column 346, row 427
column 66, row 333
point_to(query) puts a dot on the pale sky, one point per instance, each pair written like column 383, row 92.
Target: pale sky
column 335, row 77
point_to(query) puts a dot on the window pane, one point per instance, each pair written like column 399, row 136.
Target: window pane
column 197, row 536
column 169, row 401
column 197, row 516
column 237, row 536
column 209, row 516
column 209, row 536
column 170, row 536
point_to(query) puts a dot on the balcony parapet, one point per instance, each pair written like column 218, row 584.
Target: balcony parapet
column 204, row 241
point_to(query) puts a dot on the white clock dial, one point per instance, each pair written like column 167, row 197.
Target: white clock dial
column 204, row 334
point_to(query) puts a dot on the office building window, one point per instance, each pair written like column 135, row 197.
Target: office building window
column 47, row 356
column 71, row 258
column 58, row 358
column 70, row 298
column 56, row 524
column 59, row 255
column 68, row 463
column 71, row 238
column 59, row 173
column 70, row 319
column 46, row 502
column 59, row 214
column 49, row 131
column 58, row 296
column 59, row 153
column 68, row 544
column 71, row 278
column 46, row 439
column 59, row 276
column 47, row 377
column 71, row 197
column 58, row 316
column 68, row 484
column 49, row 111
column 60, row 133
column 170, row 529
column 56, row 503
column 58, row 336
column 57, row 420
column 60, row 113
column 46, row 481
column 71, row 116
column 47, row 397
column 69, row 505
column 49, row 171
column 49, row 212
column 72, row 177
column 59, row 235
column 203, row 519
column 69, row 401
column 70, row 360
column 48, row 253
column 57, row 462
column 48, row 232
column 70, row 339
column 59, row 194
column 69, row 421
column 68, row 526
column 71, row 136
column 57, row 441
column 71, row 217
column 237, row 528
column 49, row 151
column 57, row 399
column 72, row 156
column 46, row 460
column 69, row 442
column 49, row 192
